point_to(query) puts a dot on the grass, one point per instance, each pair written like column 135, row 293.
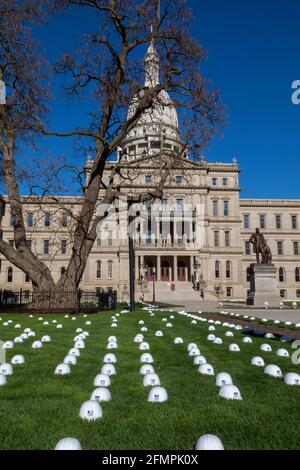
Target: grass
column 37, row 408
column 291, row 303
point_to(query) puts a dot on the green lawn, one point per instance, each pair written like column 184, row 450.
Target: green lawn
column 38, row 408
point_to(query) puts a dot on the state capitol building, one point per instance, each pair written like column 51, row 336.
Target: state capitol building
column 206, row 249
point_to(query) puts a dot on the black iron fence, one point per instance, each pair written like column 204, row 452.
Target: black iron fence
column 57, row 301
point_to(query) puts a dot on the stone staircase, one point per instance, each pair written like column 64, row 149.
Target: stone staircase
column 183, row 292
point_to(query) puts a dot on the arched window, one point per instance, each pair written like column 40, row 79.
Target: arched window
column 62, row 270
column 10, row 274
column 248, row 274
column 217, row 269
column 109, row 269
column 27, row 278
column 297, row 274
column 281, row 273
column 98, row 270
column 228, row 269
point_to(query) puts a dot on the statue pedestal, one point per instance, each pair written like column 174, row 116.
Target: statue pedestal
column 263, row 286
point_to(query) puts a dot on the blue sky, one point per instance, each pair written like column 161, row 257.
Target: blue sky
column 253, row 57
column 253, row 49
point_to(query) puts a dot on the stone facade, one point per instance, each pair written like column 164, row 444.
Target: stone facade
column 223, row 257
column 209, row 246
column 279, row 221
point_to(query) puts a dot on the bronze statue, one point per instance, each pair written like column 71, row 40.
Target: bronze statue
column 260, row 247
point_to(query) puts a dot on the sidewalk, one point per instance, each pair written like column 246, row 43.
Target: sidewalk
column 283, row 315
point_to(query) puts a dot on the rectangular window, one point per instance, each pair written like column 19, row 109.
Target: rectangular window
column 29, row 244
column 278, row 221
column 132, row 149
column 46, row 247
column 217, row 269
column 262, row 221
column 227, row 238
column 226, row 208
column 247, row 249
column 98, row 270
column 64, row 219
column 283, row 294
column 155, row 145
column 27, row 295
column 179, row 204
column 149, row 238
column 246, row 221
column 280, row 248
column 10, row 273
column 110, row 238
column 63, row 247
column 148, row 179
column 294, row 222
column 148, row 205
column 109, row 270
column 296, row 248
column 216, row 208
column 163, row 203
column 29, row 219
column 11, row 243
column 47, row 219
column 11, row 220
column 27, row 278
column 99, row 236
column 167, row 146
column 228, row 291
column 214, row 181
column 217, row 238
column 225, row 181
column 178, row 179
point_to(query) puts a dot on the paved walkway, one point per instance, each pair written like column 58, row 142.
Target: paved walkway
column 285, row 315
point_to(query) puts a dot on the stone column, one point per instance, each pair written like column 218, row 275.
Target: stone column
column 157, row 234
column 191, row 267
column 142, row 262
column 175, row 268
column 158, row 267
column 136, row 268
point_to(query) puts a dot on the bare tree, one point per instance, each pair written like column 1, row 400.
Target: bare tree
column 106, row 67
column 21, row 69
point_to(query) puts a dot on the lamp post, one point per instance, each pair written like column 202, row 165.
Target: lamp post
column 131, row 230
column 153, row 279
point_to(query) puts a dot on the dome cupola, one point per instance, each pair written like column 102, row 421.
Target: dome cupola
column 157, row 127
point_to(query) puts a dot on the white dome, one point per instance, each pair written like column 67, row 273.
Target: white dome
column 159, row 124
column 163, row 111
column 209, row 442
column 68, row 443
